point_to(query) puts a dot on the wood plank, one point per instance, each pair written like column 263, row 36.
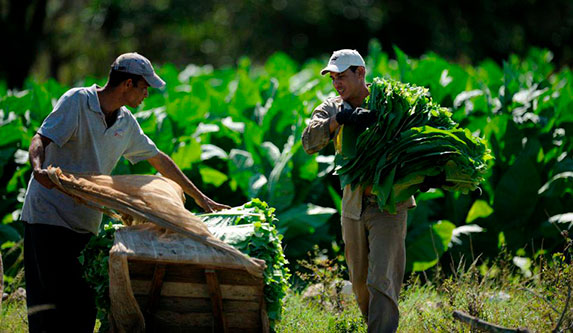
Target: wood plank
column 219, row 322
column 155, row 290
column 219, row 265
column 245, row 320
column 154, row 293
column 179, row 289
column 143, row 270
column 189, row 304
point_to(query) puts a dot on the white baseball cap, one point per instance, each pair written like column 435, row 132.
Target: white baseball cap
column 137, row 64
column 341, row 60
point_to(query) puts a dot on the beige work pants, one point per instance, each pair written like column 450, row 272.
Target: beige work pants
column 376, row 258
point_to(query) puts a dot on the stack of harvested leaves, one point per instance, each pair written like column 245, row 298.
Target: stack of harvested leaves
column 411, row 139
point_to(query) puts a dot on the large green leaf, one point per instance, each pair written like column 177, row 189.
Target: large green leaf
column 300, row 225
column 212, row 176
column 12, row 132
column 424, row 251
column 8, row 233
column 464, row 230
column 516, row 192
column 558, row 185
column 187, row 153
column 479, row 209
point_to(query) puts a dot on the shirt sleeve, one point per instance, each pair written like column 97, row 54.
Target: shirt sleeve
column 317, row 134
column 140, row 147
column 62, row 122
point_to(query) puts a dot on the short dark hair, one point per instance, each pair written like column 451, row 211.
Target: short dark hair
column 117, row 77
column 353, row 68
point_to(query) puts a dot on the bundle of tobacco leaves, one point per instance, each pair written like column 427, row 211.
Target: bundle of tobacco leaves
column 411, row 139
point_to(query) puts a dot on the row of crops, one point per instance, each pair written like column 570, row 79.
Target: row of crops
column 236, row 133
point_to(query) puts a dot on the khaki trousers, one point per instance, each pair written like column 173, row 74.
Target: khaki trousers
column 376, row 258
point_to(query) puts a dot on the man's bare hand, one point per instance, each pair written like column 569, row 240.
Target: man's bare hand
column 41, row 176
column 210, row 206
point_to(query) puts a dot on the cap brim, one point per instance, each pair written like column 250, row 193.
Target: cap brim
column 333, row 68
column 154, row 81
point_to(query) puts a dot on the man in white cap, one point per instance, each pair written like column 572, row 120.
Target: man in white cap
column 374, row 239
column 88, row 131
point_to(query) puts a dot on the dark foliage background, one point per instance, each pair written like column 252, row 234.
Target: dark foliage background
column 69, row 39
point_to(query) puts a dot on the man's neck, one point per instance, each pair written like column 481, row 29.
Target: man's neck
column 359, row 99
column 108, row 100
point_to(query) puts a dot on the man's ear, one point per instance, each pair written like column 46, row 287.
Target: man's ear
column 128, row 83
column 361, row 72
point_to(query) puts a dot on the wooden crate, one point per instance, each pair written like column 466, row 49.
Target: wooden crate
column 171, row 283
column 194, row 298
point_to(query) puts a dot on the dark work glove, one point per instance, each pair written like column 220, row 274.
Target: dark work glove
column 344, row 116
column 363, row 117
column 434, row 182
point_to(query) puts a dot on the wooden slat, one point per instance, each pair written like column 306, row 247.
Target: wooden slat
column 219, row 322
column 153, row 296
column 189, row 304
column 245, row 320
column 143, row 270
column 218, row 265
column 179, row 289
column 155, row 290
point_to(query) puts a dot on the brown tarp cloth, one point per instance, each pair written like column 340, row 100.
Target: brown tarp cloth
column 176, row 235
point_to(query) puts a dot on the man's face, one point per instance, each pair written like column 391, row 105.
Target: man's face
column 135, row 94
column 347, row 83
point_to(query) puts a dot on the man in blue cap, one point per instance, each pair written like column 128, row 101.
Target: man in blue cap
column 88, row 131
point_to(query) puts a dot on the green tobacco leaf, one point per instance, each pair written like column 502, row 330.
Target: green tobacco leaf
column 188, row 152
column 403, row 64
column 464, row 230
column 209, row 151
column 8, row 233
column 18, row 180
column 281, row 66
column 212, row 176
column 305, row 165
column 303, row 219
column 425, row 250
column 558, row 185
column 241, row 169
column 186, row 110
column 565, row 220
column 12, row 132
column 335, row 198
column 280, row 181
column 304, row 226
column 515, row 195
column 480, row 209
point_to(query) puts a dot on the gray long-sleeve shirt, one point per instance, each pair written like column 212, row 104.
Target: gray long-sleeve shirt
column 317, row 135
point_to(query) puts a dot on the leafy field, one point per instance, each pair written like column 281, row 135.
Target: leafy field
column 236, row 133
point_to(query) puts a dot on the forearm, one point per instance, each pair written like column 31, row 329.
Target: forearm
column 36, row 152
column 318, row 134
column 165, row 165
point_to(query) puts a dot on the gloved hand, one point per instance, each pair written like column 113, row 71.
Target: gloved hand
column 363, row 117
column 358, row 117
column 343, row 117
column 434, row 182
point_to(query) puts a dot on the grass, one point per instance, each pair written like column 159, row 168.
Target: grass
column 537, row 300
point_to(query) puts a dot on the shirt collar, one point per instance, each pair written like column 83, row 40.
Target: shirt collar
column 93, row 102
